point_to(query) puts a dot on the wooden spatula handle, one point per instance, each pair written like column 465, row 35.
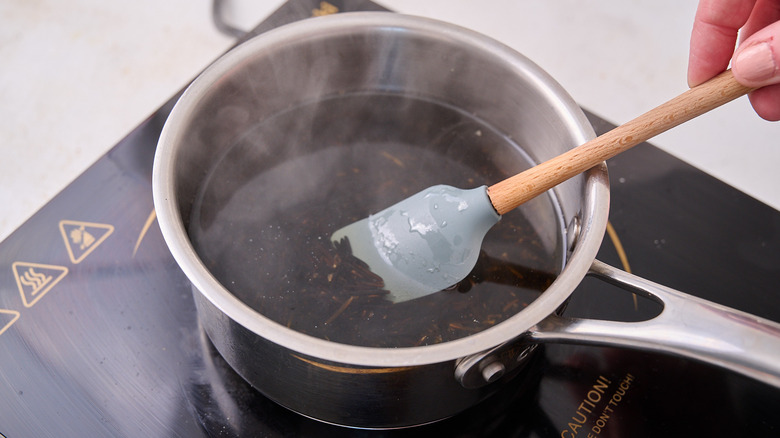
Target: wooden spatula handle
column 513, row 191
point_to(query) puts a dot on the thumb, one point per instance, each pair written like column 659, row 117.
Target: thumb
column 756, row 62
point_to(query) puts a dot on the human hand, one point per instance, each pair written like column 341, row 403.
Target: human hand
column 755, row 63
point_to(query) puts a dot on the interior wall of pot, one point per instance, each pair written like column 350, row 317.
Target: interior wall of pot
column 479, row 79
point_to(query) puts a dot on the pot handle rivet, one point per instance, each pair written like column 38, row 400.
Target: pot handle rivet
column 493, row 371
column 573, row 232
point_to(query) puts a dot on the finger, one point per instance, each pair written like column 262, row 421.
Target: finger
column 766, row 102
column 714, row 36
column 755, row 62
column 764, row 13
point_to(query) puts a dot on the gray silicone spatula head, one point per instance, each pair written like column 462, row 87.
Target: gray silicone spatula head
column 425, row 243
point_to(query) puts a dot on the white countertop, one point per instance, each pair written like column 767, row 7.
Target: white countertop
column 77, row 76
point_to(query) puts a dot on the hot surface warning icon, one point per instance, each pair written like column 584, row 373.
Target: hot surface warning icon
column 7, row 318
column 36, row 280
column 81, row 238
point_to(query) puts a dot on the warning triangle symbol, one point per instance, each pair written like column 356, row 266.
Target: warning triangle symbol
column 7, row 319
column 81, row 238
column 36, row 280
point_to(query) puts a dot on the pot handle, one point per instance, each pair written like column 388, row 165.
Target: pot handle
column 687, row 326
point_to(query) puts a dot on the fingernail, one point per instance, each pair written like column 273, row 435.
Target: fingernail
column 755, row 63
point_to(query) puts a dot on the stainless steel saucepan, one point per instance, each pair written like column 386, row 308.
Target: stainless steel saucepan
column 401, row 59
